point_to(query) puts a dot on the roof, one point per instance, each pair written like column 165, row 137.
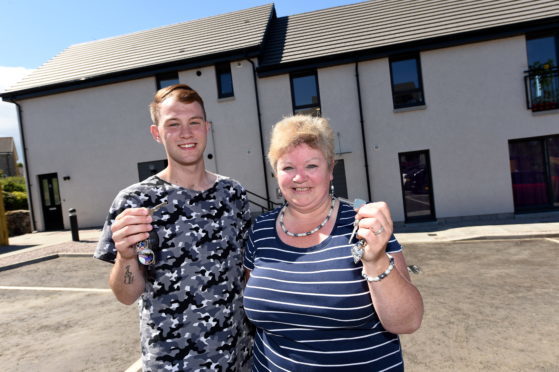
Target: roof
column 7, row 145
column 194, row 40
column 364, row 30
column 376, row 24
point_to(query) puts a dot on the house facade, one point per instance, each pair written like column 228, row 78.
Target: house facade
column 442, row 109
column 8, row 157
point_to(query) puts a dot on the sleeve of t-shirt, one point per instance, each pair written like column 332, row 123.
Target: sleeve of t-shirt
column 106, row 250
column 393, row 245
column 249, row 250
column 245, row 216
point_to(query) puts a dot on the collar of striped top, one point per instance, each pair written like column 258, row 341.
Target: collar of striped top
column 299, row 235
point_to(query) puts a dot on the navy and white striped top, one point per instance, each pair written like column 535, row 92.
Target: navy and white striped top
column 311, row 307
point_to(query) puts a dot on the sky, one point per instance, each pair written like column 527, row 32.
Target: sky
column 34, row 31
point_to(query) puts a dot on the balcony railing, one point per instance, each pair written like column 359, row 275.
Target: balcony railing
column 542, row 89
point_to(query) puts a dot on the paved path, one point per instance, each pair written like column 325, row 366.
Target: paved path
column 38, row 245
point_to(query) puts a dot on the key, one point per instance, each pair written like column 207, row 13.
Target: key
column 357, row 203
column 145, row 248
column 152, row 210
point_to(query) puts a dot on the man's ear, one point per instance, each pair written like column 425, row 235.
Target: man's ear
column 154, row 129
column 208, row 126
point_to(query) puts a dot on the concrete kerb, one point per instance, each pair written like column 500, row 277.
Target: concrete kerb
column 41, row 246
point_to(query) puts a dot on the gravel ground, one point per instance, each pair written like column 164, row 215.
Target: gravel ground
column 489, row 306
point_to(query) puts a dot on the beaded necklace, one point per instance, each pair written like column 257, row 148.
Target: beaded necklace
column 299, row 235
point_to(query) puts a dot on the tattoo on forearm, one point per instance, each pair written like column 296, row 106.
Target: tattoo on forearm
column 128, row 276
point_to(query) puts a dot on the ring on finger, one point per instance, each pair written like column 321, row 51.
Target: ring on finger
column 377, row 232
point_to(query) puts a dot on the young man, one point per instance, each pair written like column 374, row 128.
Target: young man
column 183, row 259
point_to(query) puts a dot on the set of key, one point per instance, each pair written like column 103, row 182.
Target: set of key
column 357, row 248
column 145, row 248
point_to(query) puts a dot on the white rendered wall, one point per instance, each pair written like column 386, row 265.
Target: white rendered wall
column 236, row 140
column 475, row 103
column 96, row 136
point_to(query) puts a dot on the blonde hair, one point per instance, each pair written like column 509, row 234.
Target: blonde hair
column 301, row 129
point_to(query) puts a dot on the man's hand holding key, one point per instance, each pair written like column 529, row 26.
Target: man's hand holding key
column 131, row 227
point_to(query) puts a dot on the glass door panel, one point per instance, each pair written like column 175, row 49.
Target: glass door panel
column 415, row 169
column 528, row 174
column 553, row 161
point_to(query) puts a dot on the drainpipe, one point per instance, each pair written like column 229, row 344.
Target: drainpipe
column 260, row 132
column 364, row 140
column 25, row 157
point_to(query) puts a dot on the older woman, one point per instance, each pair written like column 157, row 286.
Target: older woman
column 318, row 300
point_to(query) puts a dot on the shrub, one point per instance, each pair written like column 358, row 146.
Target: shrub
column 15, row 200
column 10, row 184
column 13, row 189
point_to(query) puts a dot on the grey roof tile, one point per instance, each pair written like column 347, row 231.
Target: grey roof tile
column 378, row 23
column 179, row 42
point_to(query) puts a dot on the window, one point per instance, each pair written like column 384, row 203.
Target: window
column 150, row 168
column 224, row 80
column 304, row 94
column 169, row 78
column 407, row 85
column 339, row 182
column 542, row 77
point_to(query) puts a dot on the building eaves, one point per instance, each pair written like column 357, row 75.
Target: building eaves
column 196, row 42
column 369, row 27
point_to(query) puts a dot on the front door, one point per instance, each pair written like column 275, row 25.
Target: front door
column 534, row 166
column 50, row 199
column 415, row 170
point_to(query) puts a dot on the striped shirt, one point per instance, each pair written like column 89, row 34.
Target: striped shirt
column 311, row 307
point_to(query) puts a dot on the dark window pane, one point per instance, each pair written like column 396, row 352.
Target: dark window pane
column 406, row 82
column 150, row 168
column 165, row 80
column 224, row 80
column 314, row 111
column 226, row 83
column 339, row 182
column 541, row 51
column 416, row 182
column 528, row 174
column 405, row 75
column 305, row 90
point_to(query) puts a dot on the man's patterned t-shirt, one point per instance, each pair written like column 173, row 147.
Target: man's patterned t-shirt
column 191, row 315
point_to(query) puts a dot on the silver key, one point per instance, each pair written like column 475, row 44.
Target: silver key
column 357, row 203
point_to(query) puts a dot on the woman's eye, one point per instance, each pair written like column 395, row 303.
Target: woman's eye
column 286, row 169
column 312, row 166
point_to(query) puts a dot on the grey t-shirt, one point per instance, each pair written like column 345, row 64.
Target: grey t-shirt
column 191, row 315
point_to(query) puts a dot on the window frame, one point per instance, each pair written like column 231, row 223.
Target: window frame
column 167, row 76
column 221, row 69
column 295, row 107
column 420, row 89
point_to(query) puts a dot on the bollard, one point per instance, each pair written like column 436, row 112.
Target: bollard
column 74, row 224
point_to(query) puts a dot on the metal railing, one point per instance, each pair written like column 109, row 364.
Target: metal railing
column 542, row 89
column 269, row 205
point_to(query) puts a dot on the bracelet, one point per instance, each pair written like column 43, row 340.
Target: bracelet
column 381, row 276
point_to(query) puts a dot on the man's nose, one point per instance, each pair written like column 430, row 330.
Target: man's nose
column 186, row 131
